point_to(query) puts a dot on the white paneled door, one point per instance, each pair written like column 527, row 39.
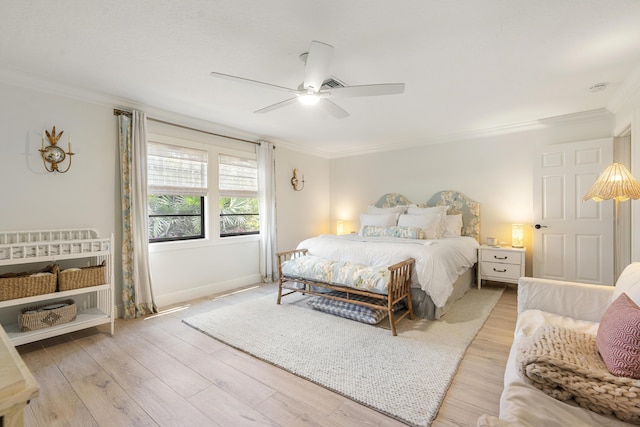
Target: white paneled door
column 572, row 239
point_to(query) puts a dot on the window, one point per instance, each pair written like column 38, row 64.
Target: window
column 238, row 184
column 177, row 186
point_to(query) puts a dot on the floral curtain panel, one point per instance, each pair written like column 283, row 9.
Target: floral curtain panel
column 137, row 295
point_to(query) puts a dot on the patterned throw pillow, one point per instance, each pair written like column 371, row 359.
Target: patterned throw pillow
column 618, row 338
column 392, row 231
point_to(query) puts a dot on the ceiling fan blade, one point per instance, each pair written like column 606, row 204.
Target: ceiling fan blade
column 317, row 67
column 333, row 109
column 277, row 105
column 253, row 82
column 366, row 90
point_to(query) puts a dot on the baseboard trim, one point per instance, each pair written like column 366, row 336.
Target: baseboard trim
column 203, row 291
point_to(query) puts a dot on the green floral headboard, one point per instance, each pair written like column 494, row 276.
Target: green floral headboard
column 458, row 204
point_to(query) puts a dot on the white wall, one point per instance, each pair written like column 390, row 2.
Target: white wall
column 301, row 214
column 87, row 196
column 496, row 171
column 33, row 198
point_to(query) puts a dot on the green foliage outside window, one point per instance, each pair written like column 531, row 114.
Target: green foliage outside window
column 238, row 216
column 175, row 217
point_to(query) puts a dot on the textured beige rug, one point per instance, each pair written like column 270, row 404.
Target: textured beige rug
column 405, row 377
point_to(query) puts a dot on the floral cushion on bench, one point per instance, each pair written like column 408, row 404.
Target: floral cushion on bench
column 343, row 273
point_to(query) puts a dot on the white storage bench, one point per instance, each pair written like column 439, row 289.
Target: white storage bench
column 361, row 285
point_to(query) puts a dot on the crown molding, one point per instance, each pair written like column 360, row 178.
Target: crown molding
column 34, row 82
column 447, row 138
column 584, row 116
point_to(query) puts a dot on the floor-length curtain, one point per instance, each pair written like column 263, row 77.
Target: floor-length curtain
column 136, row 286
column 267, row 206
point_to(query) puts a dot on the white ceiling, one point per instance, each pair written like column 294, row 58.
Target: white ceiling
column 468, row 65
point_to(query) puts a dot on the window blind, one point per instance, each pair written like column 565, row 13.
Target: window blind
column 176, row 171
column 238, row 177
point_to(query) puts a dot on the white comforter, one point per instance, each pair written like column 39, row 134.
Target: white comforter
column 438, row 263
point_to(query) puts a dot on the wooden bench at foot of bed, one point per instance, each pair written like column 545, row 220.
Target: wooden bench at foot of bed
column 399, row 287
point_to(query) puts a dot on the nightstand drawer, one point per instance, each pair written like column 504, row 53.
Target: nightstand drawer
column 504, row 256
column 498, row 270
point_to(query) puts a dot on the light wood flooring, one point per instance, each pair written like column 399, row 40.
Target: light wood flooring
column 159, row 371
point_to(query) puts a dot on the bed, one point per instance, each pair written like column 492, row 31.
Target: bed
column 444, row 267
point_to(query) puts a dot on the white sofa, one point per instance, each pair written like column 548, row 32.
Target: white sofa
column 575, row 305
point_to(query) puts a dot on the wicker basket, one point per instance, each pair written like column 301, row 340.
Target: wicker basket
column 82, row 277
column 44, row 316
column 23, row 285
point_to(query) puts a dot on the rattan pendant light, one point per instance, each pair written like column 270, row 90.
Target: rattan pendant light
column 616, row 182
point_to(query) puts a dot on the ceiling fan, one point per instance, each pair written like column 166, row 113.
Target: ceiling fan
column 310, row 92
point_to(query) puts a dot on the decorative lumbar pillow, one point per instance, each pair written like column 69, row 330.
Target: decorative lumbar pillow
column 618, row 338
column 392, row 231
column 385, row 220
column 629, row 283
column 428, row 223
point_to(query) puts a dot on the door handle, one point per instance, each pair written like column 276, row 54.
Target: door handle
column 538, row 226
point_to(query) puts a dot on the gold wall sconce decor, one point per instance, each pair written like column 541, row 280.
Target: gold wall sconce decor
column 52, row 155
column 296, row 183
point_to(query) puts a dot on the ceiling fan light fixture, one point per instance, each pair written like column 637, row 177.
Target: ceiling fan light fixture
column 308, row 99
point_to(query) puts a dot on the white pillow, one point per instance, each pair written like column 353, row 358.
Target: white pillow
column 414, row 210
column 428, row 223
column 377, row 211
column 629, row 283
column 454, row 226
column 385, row 220
column 440, row 210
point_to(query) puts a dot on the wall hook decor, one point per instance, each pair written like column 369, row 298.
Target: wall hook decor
column 52, row 155
column 295, row 182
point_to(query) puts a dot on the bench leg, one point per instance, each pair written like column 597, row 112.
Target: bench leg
column 392, row 317
column 279, row 290
column 392, row 322
column 410, row 306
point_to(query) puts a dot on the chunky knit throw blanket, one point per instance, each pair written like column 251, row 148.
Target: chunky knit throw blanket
column 566, row 364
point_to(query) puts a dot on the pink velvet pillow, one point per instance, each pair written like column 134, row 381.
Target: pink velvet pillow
column 618, row 337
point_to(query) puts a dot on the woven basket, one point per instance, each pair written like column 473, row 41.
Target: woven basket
column 23, row 285
column 33, row 318
column 81, row 278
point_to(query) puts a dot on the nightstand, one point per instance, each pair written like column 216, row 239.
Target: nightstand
column 500, row 264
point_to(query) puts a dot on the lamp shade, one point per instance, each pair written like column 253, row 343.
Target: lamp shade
column 616, row 182
column 517, row 236
column 340, row 228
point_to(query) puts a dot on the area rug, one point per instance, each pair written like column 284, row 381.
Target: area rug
column 405, row 377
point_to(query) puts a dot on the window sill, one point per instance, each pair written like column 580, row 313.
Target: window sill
column 202, row 243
